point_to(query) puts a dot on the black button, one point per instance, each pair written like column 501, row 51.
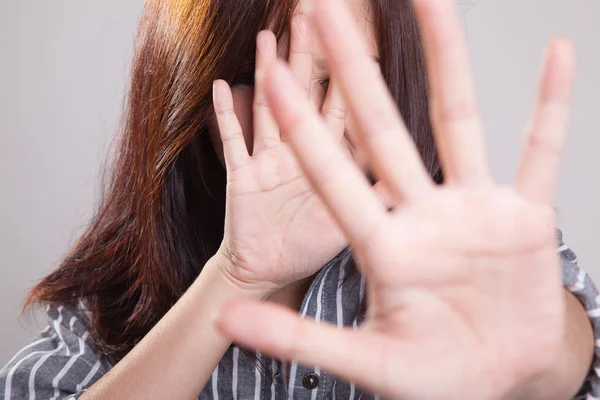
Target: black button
column 310, row 381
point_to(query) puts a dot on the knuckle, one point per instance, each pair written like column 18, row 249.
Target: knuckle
column 326, row 173
column 446, row 42
column 270, row 143
column 544, row 144
column 300, row 49
column 376, row 124
column 225, row 111
column 261, row 103
column 455, row 111
column 231, row 136
column 361, row 66
column 295, row 346
column 335, row 113
column 305, row 90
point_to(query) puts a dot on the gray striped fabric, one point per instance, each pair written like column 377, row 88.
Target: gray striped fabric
column 62, row 361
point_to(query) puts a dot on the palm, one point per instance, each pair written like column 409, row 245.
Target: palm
column 277, row 231
column 490, row 271
column 464, row 297
column 276, row 221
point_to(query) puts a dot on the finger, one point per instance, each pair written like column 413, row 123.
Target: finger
column 372, row 360
column 547, row 131
column 332, row 173
column 454, row 114
column 392, row 152
column 301, row 58
column 234, row 146
column 279, row 332
column 266, row 132
column 334, row 110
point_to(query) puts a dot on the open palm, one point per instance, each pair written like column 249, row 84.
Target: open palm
column 277, row 230
column 463, row 279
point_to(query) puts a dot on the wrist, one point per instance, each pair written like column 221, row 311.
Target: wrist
column 219, row 268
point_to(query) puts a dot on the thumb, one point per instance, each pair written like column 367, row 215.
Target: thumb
column 279, row 332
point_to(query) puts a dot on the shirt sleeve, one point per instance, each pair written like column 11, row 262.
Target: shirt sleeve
column 578, row 282
column 59, row 364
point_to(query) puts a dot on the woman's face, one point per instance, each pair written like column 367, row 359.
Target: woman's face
column 243, row 95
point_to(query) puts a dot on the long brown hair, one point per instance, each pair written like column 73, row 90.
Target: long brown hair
column 161, row 213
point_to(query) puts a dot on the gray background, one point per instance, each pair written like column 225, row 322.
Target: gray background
column 63, row 71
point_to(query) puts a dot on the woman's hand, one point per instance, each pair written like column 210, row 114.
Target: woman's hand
column 277, row 231
column 464, row 289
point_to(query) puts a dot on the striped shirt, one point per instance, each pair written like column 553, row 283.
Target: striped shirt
column 62, row 362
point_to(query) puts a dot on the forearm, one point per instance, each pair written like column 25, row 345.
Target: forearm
column 177, row 357
column 569, row 373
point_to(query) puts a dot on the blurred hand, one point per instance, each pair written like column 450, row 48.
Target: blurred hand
column 464, row 288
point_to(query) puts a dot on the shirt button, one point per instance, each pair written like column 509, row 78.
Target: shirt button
column 310, row 381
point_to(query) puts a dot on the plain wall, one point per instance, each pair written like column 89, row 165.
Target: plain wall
column 62, row 80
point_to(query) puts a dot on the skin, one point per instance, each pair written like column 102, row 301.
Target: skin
column 491, row 276
column 302, row 233
column 248, row 264
column 249, row 267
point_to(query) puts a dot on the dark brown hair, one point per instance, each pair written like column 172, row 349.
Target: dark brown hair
column 161, row 213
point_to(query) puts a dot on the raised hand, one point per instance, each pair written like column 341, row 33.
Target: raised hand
column 277, row 230
column 464, row 289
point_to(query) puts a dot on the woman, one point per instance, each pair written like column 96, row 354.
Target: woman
column 133, row 305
